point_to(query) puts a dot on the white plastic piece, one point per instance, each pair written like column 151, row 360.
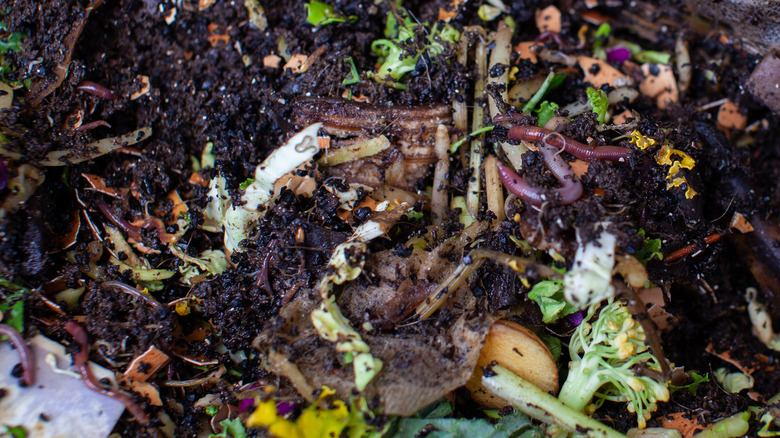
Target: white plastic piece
column 57, row 404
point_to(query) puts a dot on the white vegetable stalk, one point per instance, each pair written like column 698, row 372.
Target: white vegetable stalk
column 236, row 221
column 590, row 280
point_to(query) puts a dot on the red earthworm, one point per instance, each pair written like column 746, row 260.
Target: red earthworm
column 96, row 89
column 570, row 192
column 130, row 229
column 28, row 373
column 93, row 125
column 694, row 247
column 80, row 360
column 579, row 150
column 555, row 36
column 121, row 287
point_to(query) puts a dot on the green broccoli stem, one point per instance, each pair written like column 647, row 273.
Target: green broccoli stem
column 582, row 383
column 540, row 405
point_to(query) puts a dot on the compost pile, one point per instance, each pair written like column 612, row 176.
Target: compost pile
column 308, row 218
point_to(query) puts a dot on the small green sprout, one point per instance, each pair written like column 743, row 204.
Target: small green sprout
column 211, row 410
column 605, row 355
column 598, row 100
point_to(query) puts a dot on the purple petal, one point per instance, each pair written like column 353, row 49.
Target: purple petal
column 619, row 54
column 575, row 319
column 284, row 408
column 244, row 404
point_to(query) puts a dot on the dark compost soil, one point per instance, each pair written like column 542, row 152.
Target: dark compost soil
column 209, row 85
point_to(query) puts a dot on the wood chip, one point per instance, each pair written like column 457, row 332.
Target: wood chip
column 726, row 357
column 272, row 61
column 451, row 11
column 622, row 117
column 170, row 16
column 729, row 117
column 659, row 84
column 548, row 19
column 524, row 49
column 145, row 87
column 599, row 73
column 580, row 167
column 99, row 185
column 296, row 62
column 146, row 365
column 679, row 421
column 741, row 224
column 179, row 208
column 145, row 389
column 203, row 4
column 654, row 298
column 323, row 142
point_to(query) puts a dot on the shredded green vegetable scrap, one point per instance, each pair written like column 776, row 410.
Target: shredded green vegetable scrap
column 551, row 81
column 548, row 294
column 454, row 147
column 546, row 112
column 650, row 250
column 692, row 387
column 322, row 14
column 598, row 100
column 354, row 76
column 398, row 56
column 601, row 36
column 231, row 428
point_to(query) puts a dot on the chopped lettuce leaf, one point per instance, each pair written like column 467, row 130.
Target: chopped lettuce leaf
column 321, row 14
column 598, row 100
column 396, row 60
column 546, row 112
column 650, row 250
column 548, row 294
column 511, row 425
column 230, row 428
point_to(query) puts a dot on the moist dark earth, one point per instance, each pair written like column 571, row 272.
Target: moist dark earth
column 208, row 84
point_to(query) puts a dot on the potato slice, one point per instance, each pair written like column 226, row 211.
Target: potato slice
column 519, row 350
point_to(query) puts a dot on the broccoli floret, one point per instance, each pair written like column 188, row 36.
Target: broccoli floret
column 610, row 361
